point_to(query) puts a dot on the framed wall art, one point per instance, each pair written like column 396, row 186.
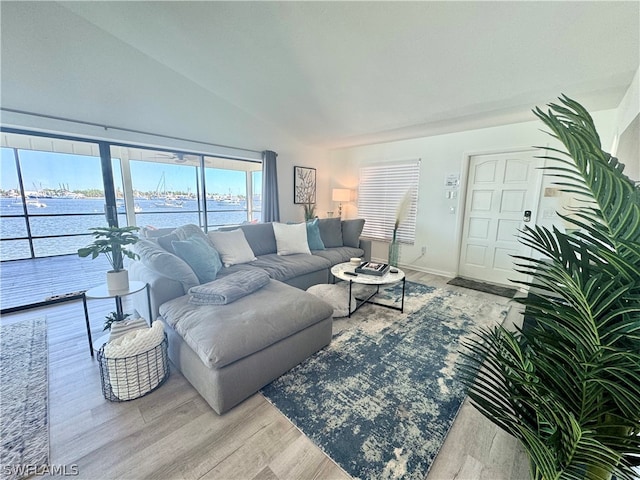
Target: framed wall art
column 304, row 185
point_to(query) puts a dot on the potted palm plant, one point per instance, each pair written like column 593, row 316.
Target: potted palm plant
column 112, row 242
column 309, row 210
column 567, row 386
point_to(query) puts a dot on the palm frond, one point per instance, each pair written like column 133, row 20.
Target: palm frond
column 568, row 385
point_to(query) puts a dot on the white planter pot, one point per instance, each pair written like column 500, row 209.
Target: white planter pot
column 117, row 281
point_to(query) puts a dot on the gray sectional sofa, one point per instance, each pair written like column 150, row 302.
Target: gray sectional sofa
column 229, row 351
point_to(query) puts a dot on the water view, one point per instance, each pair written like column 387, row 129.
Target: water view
column 62, row 182
column 68, row 216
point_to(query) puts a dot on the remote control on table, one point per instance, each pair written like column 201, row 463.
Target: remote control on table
column 352, row 274
column 394, row 270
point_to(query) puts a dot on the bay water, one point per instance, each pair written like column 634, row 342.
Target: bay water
column 61, row 217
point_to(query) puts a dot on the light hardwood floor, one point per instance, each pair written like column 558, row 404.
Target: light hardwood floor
column 172, row 433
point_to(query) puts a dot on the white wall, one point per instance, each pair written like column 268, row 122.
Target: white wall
column 628, row 110
column 437, row 228
column 56, row 63
column 630, row 105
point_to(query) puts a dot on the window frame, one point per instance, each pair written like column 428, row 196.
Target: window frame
column 124, row 176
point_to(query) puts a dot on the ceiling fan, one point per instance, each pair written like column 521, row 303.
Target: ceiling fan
column 177, row 157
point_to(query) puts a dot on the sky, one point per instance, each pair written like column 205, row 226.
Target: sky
column 51, row 170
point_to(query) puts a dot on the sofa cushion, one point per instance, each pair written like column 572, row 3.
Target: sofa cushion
column 159, row 260
column 203, row 259
column 222, row 334
column 331, row 232
column 339, row 254
column 260, row 237
column 232, row 247
column 291, row 239
column 313, row 235
column 285, row 267
column 241, row 267
column 351, row 230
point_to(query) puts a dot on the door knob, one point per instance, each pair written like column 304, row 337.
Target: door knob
column 527, row 216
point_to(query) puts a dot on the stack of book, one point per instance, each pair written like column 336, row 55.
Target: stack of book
column 373, row 268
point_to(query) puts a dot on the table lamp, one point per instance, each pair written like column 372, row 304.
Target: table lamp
column 340, row 195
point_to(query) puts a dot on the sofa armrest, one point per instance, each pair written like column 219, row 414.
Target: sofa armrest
column 161, row 288
column 366, row 246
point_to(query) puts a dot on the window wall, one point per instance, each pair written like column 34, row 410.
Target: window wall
column 230, row 191
column 50, row 195
column 165, row 187
column 52, row 191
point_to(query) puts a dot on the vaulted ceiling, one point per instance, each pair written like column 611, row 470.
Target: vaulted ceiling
column 345, row 73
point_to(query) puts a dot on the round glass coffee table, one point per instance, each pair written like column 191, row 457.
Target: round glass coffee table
column 346, row 271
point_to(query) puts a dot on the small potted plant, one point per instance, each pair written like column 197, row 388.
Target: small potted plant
column 112, row 242
column 309, row 211
column 114, row 317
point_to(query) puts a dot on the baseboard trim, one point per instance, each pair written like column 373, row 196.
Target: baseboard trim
column 418, row 268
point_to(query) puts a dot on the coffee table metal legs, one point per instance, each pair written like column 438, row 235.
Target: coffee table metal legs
column 361, row 301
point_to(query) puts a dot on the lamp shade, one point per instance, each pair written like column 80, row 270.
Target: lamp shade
column 341, row 195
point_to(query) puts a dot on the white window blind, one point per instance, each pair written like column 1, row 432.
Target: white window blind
column 380, row 192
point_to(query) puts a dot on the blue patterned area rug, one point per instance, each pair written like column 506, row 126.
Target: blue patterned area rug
column 24, row 419
column 380, row 399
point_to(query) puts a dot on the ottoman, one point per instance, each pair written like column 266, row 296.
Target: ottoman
column 228, row 352
column 335, row 295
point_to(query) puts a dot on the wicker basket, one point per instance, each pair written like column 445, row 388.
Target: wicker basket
column 133, row 377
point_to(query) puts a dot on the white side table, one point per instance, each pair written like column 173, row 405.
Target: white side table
column 102, row 292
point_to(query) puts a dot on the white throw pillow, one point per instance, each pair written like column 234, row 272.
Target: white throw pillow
column 232, row 247
column 291, row 239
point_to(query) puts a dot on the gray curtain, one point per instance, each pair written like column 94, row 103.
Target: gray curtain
column 270, row 204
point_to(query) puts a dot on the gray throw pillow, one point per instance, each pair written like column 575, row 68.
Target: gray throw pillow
column 191, row 230
column 351, row 231
column 159, row 260
column 165, row 241
column 260, row 237
column 331, row 232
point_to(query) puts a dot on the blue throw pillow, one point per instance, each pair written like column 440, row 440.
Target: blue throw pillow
column 203, row 259
column 313, row 235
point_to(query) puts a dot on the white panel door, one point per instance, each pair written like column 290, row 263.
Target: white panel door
column 500, row 189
